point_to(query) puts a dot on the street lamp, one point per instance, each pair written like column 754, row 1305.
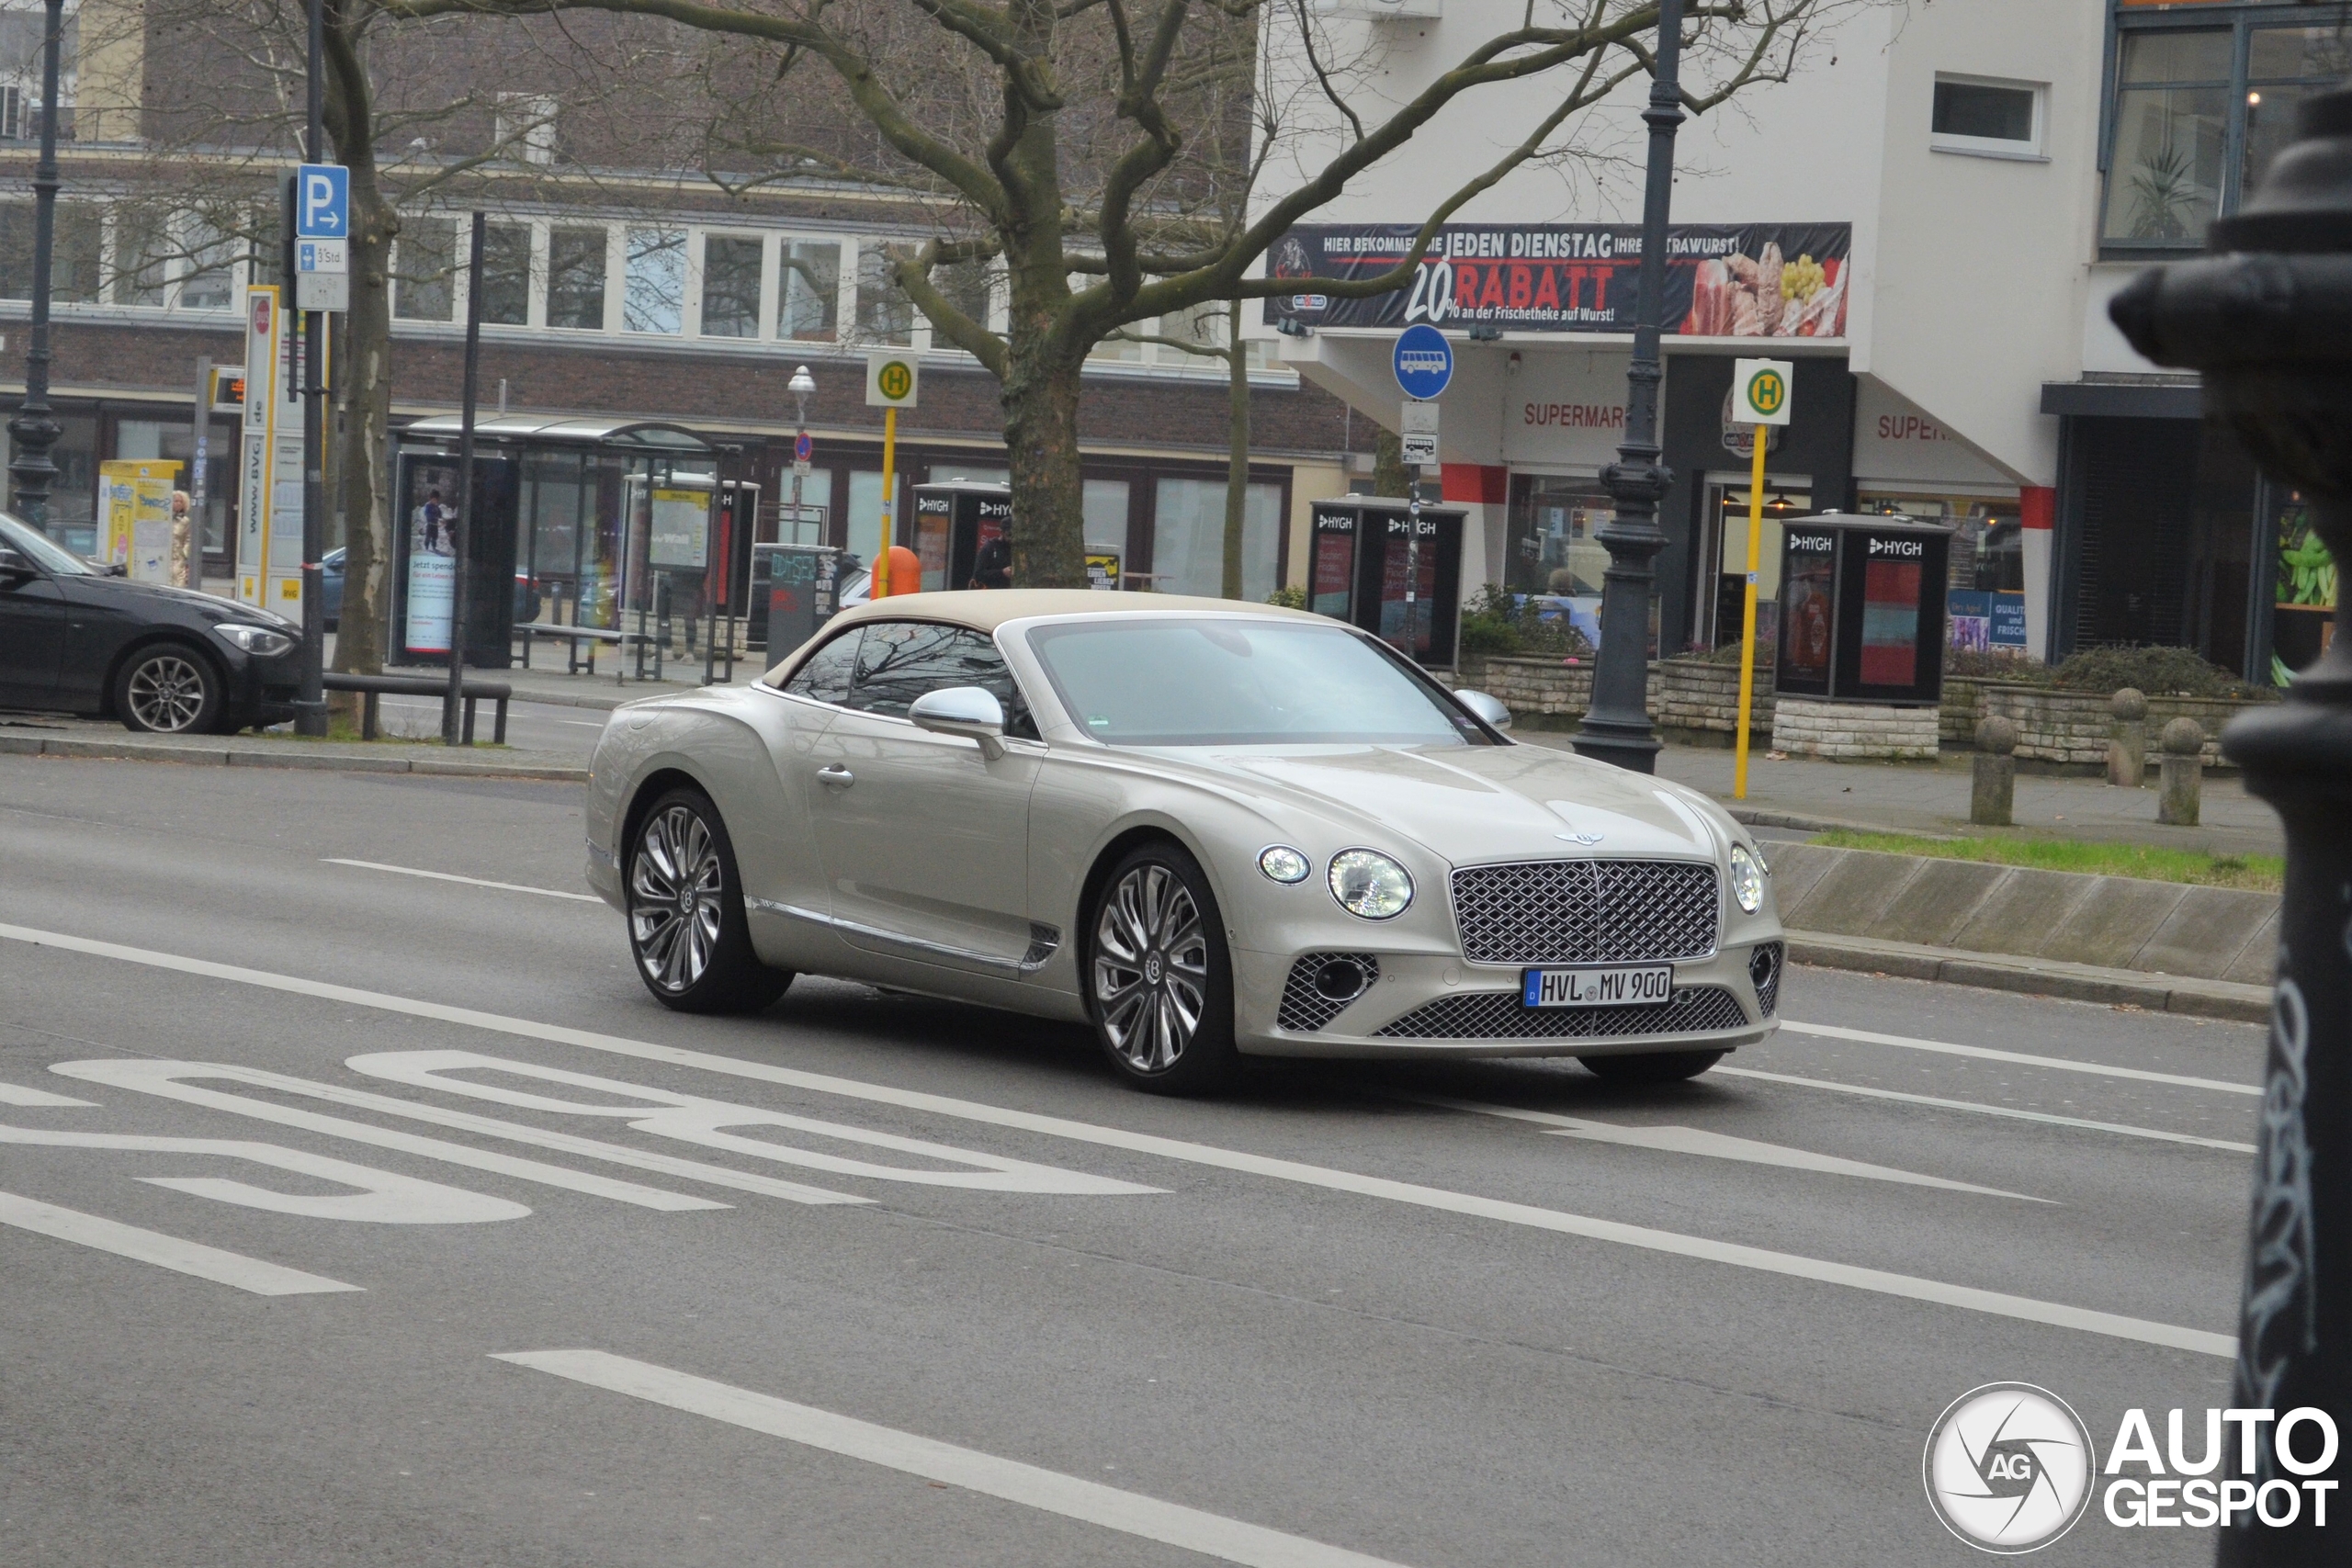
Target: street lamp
column 2268, row 320
column 1617, row 728
column 33, row 432
column 802, row 386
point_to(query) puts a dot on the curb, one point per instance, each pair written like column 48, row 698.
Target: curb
column 2068, row 982
column 236, row 756
column 1802, row 822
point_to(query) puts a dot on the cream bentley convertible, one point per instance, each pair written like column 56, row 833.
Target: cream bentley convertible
column 1204, row 829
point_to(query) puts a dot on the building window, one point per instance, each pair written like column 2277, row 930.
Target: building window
column 968, row 286
column 141, row 252
column 730, row 285
column 74, row 258
column 653, row 296
column 576, row 278
column 524, row 126
column 507, row 276
column 422, row 267
column 884, row 313
column 210, row 276
column 2196, row 116
column 812, row 291
column 1188, row 537
column 1986, row 117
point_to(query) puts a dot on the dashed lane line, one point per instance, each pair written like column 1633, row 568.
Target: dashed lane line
column 1986, row 1054
column 2050, row 1118
column 1878, row 1282
column 223, row 1268
column 1049, row 1491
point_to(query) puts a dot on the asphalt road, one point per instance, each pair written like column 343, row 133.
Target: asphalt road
column 878, row 1282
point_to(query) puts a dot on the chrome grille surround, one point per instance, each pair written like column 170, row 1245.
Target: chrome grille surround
column 1500, row 1015
column 1587, row 911
column 1306, row 1009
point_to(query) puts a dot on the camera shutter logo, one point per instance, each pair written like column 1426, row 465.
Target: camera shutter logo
column 2008, row 1468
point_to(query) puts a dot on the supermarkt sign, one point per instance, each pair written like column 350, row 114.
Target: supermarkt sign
column 1761, row 390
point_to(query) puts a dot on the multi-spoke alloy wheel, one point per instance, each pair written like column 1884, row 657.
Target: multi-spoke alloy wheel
column 685, row 912
column 168, row 691
column 1161, row 990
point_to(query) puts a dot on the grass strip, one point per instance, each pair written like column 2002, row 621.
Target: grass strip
column 2147, row 862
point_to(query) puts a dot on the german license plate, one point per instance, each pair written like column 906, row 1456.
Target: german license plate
column 1633, row 985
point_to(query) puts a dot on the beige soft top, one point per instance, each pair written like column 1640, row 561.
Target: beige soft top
column 987, row 609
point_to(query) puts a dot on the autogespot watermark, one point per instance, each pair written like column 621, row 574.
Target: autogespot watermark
column 2009, row 1468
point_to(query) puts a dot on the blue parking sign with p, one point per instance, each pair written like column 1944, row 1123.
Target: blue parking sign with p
column 322, row 202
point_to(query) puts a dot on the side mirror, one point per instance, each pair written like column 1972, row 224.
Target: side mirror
column 972, row 711
column 13, row 564
column 1484, row 707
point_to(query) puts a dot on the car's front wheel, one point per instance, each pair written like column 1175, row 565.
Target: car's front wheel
column 1657, row 1066
column 169, row 689
column 687, row 927
column 1159, row 982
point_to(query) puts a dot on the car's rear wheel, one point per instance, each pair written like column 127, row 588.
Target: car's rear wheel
column 1657, row 1066
column 1160, row 983
column 168, row 689
column 687, row 927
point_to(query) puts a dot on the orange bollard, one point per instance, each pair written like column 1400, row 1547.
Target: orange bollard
column 905, row 572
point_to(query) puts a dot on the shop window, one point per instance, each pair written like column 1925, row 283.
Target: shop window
column 1104, row 505
column 812, row 291
column 576, row 278
column 1188, row 538
column 2303, row 615
column 1978, row 115
column 731, row 265
column 1550, row 547
column 507, row 276
column 424, row 261
column 884, row 312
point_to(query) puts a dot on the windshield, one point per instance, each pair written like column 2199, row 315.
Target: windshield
column 32, row 542
column 1219, row 683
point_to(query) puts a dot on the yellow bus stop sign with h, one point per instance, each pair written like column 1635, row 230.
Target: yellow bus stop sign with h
column 1762, row 392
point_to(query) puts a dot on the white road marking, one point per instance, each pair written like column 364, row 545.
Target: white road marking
column 1880, row 1282
column 234, row 1268
column 383, row 1197
column 16, row 1094
column 124, row 1073
column 469, row 880
column 1986, row 1054
column 1715, row 1146
column 2051, row 1118
column 1050, row 1491
column 167, row 1079
column 693, row 1119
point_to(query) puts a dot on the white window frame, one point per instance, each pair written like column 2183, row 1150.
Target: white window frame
column 2029, row 152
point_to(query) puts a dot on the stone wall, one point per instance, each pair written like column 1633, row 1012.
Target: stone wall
column 1963, row 705
column 1696, row 699
column 2071, row 727
column 1842, row 731
column 1542, row 694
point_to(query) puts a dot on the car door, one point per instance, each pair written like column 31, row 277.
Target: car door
column 925, row 838
column 32, row 637
column 776, row 841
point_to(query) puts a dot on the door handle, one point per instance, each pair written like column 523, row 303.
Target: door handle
column 836, row 776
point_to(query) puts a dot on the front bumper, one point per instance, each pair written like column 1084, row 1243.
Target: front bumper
column 1438, row 1005
column 260, row 691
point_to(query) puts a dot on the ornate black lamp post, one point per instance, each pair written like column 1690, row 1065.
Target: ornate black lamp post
column 1617, row 729
column 2268, row 320
column 33, row 432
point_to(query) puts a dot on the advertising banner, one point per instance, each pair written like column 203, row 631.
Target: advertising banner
column 679, row 532
column 1732, row 280
column 135, row 516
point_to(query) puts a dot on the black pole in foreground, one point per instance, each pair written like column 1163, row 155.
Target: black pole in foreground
column 462, row 536
column 2268, row 319
column 1617, row 729
column 310, row 698
column 34, row 431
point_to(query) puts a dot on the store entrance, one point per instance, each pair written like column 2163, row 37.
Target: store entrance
column 1719, row 604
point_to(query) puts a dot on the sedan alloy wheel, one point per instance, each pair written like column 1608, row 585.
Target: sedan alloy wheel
column 1162, row 1001
column 674, row 899
column 168, row 691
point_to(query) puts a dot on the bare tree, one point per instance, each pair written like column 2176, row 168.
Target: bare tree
column 1086, row 150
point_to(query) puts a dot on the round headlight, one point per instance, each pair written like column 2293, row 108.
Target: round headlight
column 1369, row 886
column 1747, row 879
column 1284, row 863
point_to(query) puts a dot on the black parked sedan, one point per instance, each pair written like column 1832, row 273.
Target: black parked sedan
column 72, row 639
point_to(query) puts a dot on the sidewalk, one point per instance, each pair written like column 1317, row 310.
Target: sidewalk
column 55, row 735
column 1933, row 798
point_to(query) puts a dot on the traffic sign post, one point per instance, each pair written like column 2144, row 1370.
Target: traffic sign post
column 891, row 379
column 1423, row 361
column 1761, row 394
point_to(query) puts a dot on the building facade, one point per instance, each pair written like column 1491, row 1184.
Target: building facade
column 1928, row 217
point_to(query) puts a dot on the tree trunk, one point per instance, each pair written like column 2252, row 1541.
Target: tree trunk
column 1388, row 473
column 365, row 373
column 1237, row 469
column 1049, row 497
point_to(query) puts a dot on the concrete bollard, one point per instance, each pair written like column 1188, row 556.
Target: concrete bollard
column 1992, row 795
column 2127, row 739
column 2182, row 773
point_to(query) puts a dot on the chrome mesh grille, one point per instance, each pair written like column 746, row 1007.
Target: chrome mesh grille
column 1500, row 1015
column 1306, row 1009
column 1585, row 911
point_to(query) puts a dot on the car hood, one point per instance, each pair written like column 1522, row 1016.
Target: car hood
column 1474, row 804
column 211, row 606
